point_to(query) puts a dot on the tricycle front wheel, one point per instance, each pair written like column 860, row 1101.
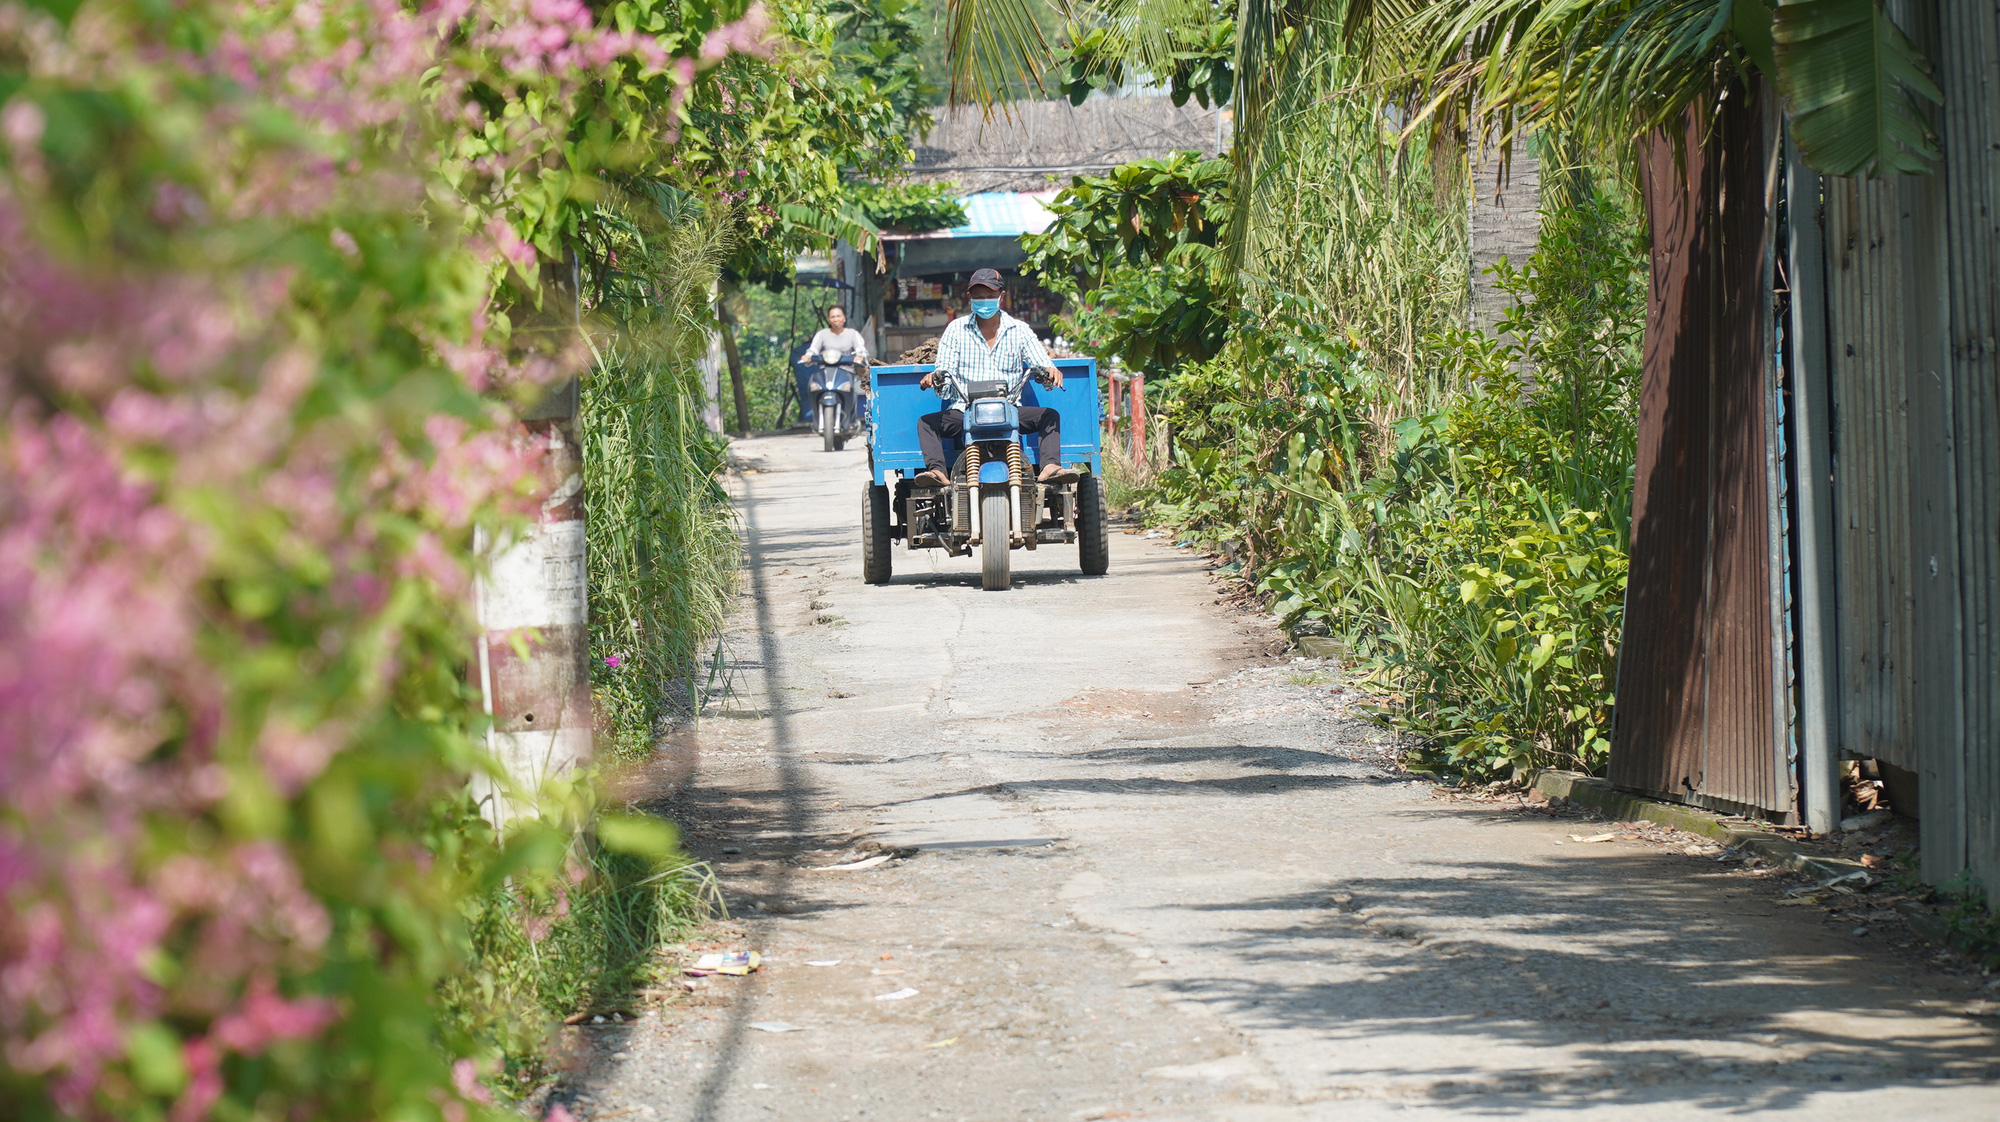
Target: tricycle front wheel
column 1093, row 527
column 994, row 561
column 875, row 552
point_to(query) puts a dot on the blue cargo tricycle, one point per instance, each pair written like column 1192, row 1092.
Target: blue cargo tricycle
column 994, row 501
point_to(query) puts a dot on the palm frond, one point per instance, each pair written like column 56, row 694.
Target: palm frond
column 1854, row 83
column 1280, row 47
column 1145, row 33
column 848, row 224
column 989, row 46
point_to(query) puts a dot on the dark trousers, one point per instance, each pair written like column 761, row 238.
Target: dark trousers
column 933, row 429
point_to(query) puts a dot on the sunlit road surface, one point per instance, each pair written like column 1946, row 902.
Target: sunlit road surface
column 1152, row 873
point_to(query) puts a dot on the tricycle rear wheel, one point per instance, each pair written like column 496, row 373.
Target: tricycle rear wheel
column 1093, row 529
column 875, row 551
column 994, row 561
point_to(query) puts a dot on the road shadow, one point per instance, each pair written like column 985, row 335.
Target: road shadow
column 1244, row 754
column 1647, row 984
column 1032, row 578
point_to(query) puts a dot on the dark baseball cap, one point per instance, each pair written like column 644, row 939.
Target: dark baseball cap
column 988, row 277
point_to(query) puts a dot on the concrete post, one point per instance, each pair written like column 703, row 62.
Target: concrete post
column 531, row 598
column 1111, row 380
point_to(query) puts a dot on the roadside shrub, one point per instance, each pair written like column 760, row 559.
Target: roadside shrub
column 1471, row 553
column 268, row 278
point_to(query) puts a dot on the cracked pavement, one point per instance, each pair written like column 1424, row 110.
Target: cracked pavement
column 1138, row 870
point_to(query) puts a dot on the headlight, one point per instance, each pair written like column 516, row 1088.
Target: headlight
column 989, row 413
column 831, row 356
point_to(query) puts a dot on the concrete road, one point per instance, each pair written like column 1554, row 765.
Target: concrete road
column 1148, row 873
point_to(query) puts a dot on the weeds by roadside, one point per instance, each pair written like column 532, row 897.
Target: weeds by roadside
column 542, row 947
column 1469, row 552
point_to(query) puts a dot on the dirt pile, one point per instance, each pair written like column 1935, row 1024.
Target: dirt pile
column 925, row 351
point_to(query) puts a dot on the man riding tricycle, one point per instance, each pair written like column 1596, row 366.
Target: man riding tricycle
column 961, row 476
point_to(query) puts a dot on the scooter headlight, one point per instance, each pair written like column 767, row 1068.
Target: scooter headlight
column 989, row 413
column 831, row 356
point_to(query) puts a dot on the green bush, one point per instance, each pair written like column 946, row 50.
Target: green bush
column 913, row 208
column 1472, row 554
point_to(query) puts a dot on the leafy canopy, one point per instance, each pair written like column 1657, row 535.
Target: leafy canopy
column 1139, row 245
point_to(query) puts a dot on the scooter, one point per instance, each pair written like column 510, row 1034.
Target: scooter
column 840, row 408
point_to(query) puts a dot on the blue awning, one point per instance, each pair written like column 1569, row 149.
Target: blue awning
column 994, row 214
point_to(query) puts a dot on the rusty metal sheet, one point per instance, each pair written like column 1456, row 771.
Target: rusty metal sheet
column 1870, row 470
column 1700, row 714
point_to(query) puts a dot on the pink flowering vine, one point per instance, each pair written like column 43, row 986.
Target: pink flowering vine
column 254, row 368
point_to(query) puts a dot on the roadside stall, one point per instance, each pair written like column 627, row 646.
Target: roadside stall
column 924, row 288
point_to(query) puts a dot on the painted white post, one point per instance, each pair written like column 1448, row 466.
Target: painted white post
column 534, row 646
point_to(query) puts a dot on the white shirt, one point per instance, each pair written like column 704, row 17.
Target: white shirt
column 847, row 341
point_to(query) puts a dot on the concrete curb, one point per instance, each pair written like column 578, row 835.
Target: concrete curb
column 1597, row 794
column 1321, row 646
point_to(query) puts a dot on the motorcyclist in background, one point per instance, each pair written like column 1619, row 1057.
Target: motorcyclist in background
column 839, row 337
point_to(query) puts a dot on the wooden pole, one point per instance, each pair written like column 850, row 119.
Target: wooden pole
column 1139, row 417
column 1111, row 380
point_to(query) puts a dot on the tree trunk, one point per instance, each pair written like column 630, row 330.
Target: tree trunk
column 1505, row 221
column 728, row 332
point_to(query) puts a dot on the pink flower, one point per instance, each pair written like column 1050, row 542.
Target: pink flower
column 614, row 662
column 21, row 124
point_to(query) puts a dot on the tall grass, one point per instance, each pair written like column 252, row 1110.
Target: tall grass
column 663, row 545
column 1366, row 241
column 1390, row 472
column 588, row 946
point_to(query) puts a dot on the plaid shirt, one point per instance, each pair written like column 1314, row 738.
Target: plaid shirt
column 963, row 357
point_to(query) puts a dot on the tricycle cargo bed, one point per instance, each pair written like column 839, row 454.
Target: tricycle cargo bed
column 899, row 401
column 994, row 500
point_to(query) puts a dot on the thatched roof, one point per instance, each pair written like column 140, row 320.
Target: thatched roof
column 1028, row 143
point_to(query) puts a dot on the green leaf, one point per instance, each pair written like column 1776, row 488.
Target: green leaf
column 1750, row 23
column 155, row 1054
column 637, row 835
column 1855, row 84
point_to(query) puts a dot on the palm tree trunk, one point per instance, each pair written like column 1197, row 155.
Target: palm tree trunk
column 1505, row 221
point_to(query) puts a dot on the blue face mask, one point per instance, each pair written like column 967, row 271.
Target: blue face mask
column 986, row 309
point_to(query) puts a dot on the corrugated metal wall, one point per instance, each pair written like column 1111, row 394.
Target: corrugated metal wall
column 1870, row 257
column 1969, row 70
column 1702, row 708
column 1912, row 306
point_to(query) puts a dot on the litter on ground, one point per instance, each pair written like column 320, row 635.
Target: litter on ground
column 726, row 962
column 864, row 863
column 897, row 996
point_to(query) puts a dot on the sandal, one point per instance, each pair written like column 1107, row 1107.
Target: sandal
column 1057, row 473
column 932, row 477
